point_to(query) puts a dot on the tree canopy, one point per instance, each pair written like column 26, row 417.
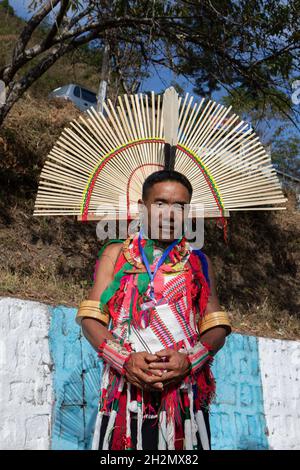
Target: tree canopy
column 248, row 45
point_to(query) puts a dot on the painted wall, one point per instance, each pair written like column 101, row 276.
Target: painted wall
column 50, row 379
column 26, row 372
column 280, row 376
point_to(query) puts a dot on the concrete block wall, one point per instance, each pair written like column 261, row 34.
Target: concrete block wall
column 237, row 417
column 76, row 382
column 280, row 375
column 50, row 379
column 26, row 390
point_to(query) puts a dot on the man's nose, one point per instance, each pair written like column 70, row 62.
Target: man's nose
column 168, row 215
column 171, row 214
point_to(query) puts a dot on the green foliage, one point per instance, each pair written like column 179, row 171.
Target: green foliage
column 251, row 103
column 4, row 4
column 248, row 46
column 286, row 153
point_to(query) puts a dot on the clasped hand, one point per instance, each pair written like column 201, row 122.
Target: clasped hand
column 156, row 371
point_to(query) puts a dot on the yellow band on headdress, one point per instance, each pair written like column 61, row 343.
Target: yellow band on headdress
column 210, row 320
column 90, row 309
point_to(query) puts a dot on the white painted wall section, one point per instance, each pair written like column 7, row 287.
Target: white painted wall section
column 26, row 395
column 279, row 362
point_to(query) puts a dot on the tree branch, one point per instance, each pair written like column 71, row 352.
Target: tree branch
column 32, row 24
column 55, row 27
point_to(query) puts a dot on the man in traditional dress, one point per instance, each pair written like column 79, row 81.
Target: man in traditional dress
column 154, row 318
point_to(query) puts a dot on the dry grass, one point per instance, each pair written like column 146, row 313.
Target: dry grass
column 44, row 287
column 265, row 320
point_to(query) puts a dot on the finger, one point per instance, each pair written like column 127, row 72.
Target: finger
column 137, row 384
column 154, row 387
column 165, row 352
column 131, row 376
column 134, row 381
column 169, row 376
column 144, row 386
column 152, row 372
column 150, row 357
column 148, row 379
column 161, row 365
column 171, row 382
column 157, row 386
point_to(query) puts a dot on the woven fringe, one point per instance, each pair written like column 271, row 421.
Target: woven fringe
column 103, row 386
column 140, row 404
column 171, row 402
column 162, row 431
column 109, row 429
column 205, row 291
column 188, row 444
column 112, row 419
column 128, row 421
column 96, row 436
column 135, row 312
column 193, row 419
column 206, row 386
column 188, row 440
column 202, row 430
column 171, row 434
column 205, row 288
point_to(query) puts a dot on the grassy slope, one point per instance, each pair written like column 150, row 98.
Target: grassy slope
column 52, row 260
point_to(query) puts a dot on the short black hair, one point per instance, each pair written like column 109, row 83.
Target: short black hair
column 165, row 175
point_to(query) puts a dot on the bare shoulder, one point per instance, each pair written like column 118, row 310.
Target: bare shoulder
column 105, row 269
column 109, row 257
column 113, row 250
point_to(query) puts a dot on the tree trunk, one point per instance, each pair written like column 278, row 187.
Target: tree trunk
column 11, row 98
column 103, row 79
column 17, row 89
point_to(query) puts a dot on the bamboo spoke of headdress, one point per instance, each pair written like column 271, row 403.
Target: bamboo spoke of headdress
column 102, row 160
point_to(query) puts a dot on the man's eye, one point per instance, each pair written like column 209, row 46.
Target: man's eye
column 179, row 207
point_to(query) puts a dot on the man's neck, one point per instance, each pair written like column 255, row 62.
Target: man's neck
column 162, row 243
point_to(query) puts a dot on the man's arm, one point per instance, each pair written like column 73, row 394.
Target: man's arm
column 215, row 337
column 93, row 329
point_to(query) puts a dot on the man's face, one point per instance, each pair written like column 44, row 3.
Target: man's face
column 165, row 205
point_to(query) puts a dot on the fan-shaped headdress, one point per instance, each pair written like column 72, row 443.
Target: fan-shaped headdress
column 102, row 157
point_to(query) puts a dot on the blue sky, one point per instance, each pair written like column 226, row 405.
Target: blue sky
column 20, row 7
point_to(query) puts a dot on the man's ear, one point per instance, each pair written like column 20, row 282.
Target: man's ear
column 141, row 205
